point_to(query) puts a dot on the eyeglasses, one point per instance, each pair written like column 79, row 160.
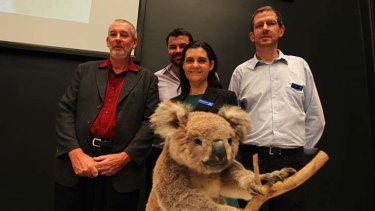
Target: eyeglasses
column 270, row 23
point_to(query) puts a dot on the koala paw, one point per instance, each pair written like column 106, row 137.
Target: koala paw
column 277, row 176
column 255, row 189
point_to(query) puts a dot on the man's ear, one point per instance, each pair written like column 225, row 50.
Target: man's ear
column 251, row 36
column 281, row 31
column 135, row 43
column 168, row 117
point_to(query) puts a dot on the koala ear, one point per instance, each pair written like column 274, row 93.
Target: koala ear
column 168, row 117
column 238, row 119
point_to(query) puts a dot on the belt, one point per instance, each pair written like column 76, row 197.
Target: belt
column 99, row 142
column 270, row 150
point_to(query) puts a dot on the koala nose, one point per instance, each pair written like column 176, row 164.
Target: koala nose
column 218, row 151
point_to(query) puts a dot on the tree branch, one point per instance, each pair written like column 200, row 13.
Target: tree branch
column 292, row 182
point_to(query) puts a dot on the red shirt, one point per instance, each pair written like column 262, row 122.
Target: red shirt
column 104, row 125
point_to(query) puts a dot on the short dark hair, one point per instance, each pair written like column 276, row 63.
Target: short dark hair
column 212, row 79
column 179, row 32
column 266, row 8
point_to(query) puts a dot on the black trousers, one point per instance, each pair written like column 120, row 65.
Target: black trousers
column 150, row 164
column 293, row 200
column 95, row 194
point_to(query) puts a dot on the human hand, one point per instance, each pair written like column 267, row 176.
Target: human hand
column 110, row 164
column 83, row 164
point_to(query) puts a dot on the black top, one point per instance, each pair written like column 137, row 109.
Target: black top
column 212, row 100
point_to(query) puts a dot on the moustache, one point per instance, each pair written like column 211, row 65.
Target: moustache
column 117, row 46
column 176, row 54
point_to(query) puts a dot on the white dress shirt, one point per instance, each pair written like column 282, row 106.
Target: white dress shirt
column 282, row 101
column 168, row 83
column 168, row 86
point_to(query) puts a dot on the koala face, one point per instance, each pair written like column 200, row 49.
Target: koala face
column 207, row 144
column 201, row 141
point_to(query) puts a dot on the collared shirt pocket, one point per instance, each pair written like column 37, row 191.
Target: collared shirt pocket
column 295, row 93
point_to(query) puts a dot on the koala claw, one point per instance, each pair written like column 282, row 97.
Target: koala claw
column 256, row 190
column 277, row 176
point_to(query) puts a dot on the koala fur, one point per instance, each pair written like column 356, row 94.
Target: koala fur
column 197, row 167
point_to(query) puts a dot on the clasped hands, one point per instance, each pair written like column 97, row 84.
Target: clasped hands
column 106, row 165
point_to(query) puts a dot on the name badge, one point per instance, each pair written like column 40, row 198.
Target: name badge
column 297, row 87
column 204, row 102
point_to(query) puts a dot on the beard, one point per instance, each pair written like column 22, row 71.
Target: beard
column 176, row 61
column 120, row 54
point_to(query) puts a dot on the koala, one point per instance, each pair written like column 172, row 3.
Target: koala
column 197, row 166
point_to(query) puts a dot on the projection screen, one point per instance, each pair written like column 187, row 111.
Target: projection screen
column 70, row 24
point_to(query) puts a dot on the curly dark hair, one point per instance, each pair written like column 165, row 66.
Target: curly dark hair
column 179, row 32
column 212, row 79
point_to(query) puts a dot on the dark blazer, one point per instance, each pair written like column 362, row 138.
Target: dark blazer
column 81, row 104
column 218, row 97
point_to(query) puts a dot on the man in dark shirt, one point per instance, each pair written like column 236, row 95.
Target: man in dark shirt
column 102, row 129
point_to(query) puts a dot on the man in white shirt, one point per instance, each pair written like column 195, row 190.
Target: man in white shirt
column 168, row 77
column 168, row 86
column 279, row 93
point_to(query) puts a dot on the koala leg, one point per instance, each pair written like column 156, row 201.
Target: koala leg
column 276, row 176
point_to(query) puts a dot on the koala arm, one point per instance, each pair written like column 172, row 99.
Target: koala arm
column 238, row 182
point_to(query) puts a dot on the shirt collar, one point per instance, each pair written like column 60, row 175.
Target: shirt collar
column 167, row 69
column 256, row 62
column 132, row 66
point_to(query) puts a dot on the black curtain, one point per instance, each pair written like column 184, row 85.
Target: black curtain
column 367, row 11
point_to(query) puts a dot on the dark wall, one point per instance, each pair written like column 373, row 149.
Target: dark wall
column 31, row 84
column 328, row 34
